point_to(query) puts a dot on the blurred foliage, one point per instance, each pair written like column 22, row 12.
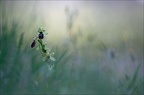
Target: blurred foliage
column 22, row 71
column 88, row 64
column 10, row 57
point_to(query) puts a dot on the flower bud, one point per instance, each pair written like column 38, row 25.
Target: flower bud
column 33, row 44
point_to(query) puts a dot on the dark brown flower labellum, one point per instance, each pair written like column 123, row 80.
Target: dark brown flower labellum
column 41, row 35
column 33, row 44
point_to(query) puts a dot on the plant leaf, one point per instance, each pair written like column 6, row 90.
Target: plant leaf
column 37, row 48
column 134, row 77
column 52, row 58
column 44, row 58
column 45, row 33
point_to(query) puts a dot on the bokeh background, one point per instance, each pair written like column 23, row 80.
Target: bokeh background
column 98, row 47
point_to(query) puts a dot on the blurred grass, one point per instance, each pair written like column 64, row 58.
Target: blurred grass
column 24, row 70
column 10, row 56
column 88, row 69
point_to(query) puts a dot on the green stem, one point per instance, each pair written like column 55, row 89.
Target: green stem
column 43, row 46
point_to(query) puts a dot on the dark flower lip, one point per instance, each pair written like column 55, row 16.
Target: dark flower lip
column 41, row 35
column 33, row 44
